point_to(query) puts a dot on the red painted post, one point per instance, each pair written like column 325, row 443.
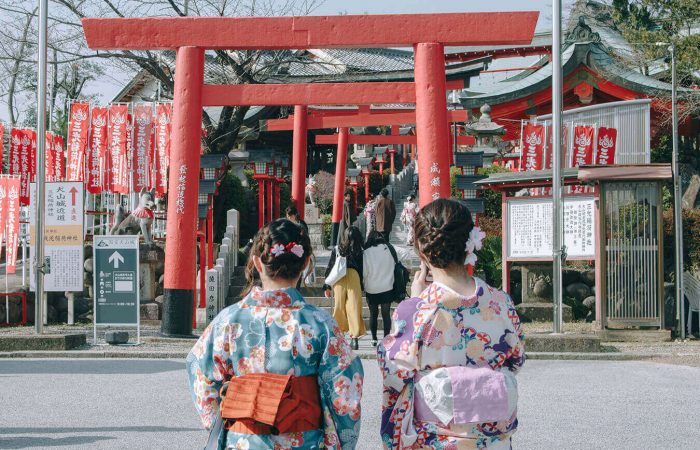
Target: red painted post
column 270, row 200
column 210, row 234
column 261, row 201
column 431, row 117
column 392, row 152
column 413, row 152
column 278, row 208
column 299, row 149
column 341, row 161
column 202, row 272
column 179, row 282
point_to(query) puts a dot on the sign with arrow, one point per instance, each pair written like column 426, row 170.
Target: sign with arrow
column 116, row 280
column 63, row 235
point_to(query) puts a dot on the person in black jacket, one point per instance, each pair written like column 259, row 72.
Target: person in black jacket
column 347, row 291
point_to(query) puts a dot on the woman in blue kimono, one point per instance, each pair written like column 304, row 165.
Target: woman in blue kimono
column 271, row 333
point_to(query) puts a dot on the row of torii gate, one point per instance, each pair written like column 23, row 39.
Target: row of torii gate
column 428, row 34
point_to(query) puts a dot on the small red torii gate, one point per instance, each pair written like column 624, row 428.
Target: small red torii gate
column 191, row 36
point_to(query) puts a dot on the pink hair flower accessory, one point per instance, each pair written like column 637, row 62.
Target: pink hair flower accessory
column 297, row 250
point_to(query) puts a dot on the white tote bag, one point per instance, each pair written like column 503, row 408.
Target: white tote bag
column 340, row 268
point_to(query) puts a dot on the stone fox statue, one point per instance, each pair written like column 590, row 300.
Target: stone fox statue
column 140, row 219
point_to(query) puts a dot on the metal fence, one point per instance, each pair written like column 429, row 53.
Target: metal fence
column 633, row 248
column 631, row 118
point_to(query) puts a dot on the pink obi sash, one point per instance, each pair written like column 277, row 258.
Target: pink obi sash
column 462, row 395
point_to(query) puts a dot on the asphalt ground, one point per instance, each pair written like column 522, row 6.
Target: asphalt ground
column 145, row 404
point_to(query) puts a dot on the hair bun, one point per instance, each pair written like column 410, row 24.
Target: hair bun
column 441, row 230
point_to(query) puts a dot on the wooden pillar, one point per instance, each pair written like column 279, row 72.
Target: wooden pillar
column 431, row 117
column 341, row 161
column 261, row 201
column 180, row 273
column 299, row 149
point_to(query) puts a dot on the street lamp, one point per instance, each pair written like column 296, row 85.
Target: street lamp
column 453, row 105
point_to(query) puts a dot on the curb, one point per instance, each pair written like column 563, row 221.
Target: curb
column 174, row 354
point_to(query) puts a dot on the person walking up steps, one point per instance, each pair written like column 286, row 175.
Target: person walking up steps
column 273, row 349
column 385, row 214
column 450, row 361
column 379, row 281
column 370, row 217
column 408, row 216
column 347, row 292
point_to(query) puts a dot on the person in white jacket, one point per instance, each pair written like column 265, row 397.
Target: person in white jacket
column 379, row 259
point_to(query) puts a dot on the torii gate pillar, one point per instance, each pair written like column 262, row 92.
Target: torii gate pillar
column 431, row 117
column 299, row 149
column 341, row 161
column 183, row 189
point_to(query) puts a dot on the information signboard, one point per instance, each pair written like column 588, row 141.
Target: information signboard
column 63, row 236
column 116, row 280
column 529, row 227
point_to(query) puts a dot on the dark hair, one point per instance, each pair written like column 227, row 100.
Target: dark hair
column 348, row 192
column 291, row 211
column 375, row 238
column 385, row 193
column 441, row 230
column 286, row 266
column 411, row 197
column 351, row 242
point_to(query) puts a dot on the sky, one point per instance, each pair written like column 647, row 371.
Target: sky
column 332, row 7
column 107, row 89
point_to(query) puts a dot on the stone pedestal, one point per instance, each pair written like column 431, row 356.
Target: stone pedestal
column 537, row 300
column 316, row 236
column 311, row 214
column 151, row 259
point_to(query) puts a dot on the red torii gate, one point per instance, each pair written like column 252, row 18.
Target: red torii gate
column 191, row 36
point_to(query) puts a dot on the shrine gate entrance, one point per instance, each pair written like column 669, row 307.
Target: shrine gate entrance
column 191, row 36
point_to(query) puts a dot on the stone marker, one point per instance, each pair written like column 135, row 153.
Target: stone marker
column 116, row 337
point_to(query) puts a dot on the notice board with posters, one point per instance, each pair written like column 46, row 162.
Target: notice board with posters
column 63, row 235
column 529, row 227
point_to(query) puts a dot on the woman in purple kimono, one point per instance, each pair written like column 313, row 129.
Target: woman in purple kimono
column 450, row 361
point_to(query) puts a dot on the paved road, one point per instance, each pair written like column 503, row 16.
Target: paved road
column 144, row 404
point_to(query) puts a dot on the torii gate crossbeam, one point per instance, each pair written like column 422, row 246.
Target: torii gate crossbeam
column 191, row 36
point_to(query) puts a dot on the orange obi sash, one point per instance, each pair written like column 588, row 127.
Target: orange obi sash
column 267, row 403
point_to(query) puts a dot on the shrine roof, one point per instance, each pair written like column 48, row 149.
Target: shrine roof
column 505, row 181
column 591, row 42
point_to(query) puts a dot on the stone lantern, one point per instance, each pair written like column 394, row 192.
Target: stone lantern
column 487, row 134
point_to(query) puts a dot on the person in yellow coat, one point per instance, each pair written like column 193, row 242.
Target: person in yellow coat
column 347, row 292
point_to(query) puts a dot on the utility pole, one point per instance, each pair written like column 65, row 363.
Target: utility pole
column 556, row 166
column 40, row 168
column 677, row 212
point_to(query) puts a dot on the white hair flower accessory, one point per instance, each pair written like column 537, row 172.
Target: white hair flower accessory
column 277, row 250
column 474, row 243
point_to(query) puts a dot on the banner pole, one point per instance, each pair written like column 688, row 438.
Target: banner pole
column 41, row 149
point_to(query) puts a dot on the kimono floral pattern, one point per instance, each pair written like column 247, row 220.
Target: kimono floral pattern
column 443, row 328
column 278, row 332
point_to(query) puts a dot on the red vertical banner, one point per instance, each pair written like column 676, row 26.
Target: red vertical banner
column 533, row 147
column 11, row 210
column 162, row 147
column 582, row 153
column 25, row 169
column 50, row 159
column 607, row 145
column 15, row 157
column 2, row 146
column 60, row 159
column 77, row 140
column 3, row 206
column 97, row 150
column 117, row 132
column 140, row 162
column 32, row 154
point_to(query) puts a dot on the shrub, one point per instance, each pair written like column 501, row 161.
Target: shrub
column 232, row 195
column 691, row 241
column 325, row 183
column 327, row 224
column 489, row 262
